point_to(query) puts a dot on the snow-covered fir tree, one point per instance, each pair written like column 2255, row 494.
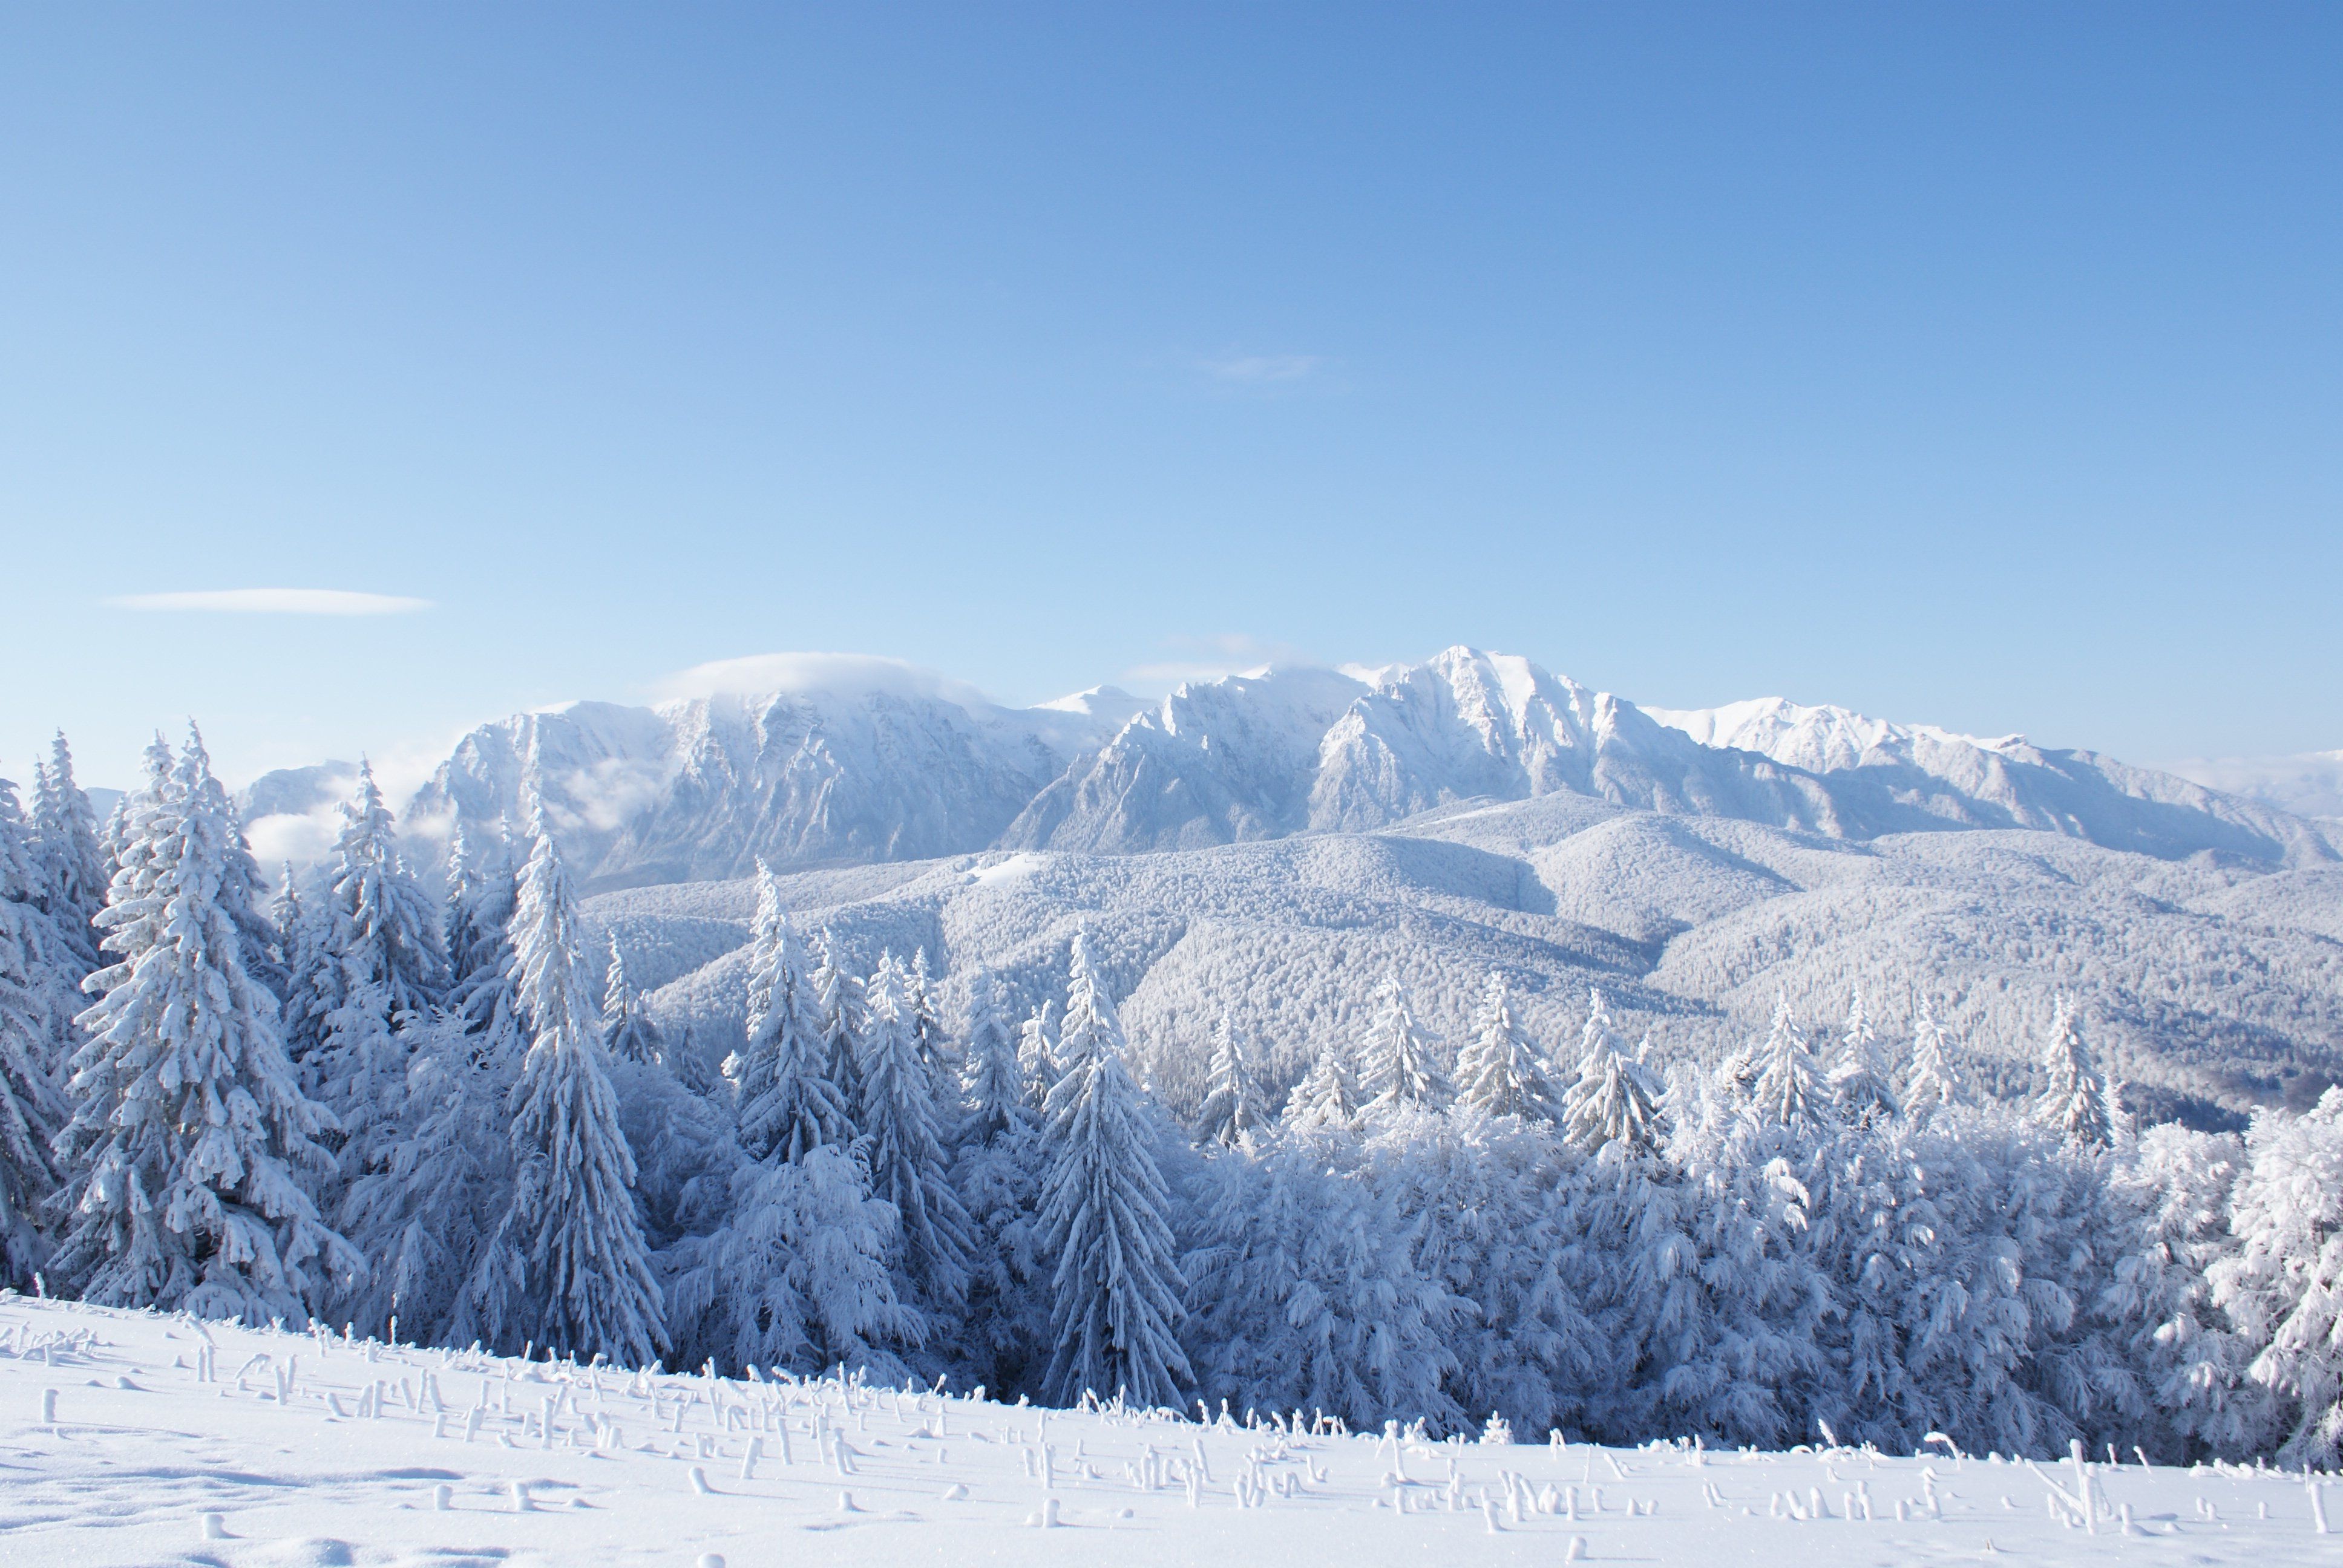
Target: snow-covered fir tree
column 1501, row 1073
column 194, row 1153
column 1037, row 1052
column 627, row 1023
column 933, row 1043
column 903, row 1127
column 567, row 1268
column 1785, row 1086
column 1327, row 1098
column 1400, row 1067
column 992, row 1083
column 1308, row 1294
column 70, row 863
column 1931, row 1085
column 1236, row 1107
column 1858, row 1083
column 371, row 966
column 2075, row 1100
column 32, row 958
column 2180, row 1187
column 2282, row 1290
column 1615, row 1101
column 794, row 1273
column 838, row 1002
column 788, row 1103
column 1105, row 1221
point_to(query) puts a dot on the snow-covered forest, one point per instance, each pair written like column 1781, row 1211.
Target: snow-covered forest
column 343, row 1098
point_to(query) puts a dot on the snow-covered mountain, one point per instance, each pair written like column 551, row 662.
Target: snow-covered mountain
column 864, row 772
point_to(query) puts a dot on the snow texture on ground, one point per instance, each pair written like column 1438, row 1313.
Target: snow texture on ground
column 134, row 1438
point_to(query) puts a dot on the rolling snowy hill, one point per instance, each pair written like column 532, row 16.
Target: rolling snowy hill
column 137, row 1439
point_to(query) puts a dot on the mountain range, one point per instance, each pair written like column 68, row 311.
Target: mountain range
column 1262, row 846
column 700, row 788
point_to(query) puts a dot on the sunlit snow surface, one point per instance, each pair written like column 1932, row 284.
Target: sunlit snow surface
column 169, row 1443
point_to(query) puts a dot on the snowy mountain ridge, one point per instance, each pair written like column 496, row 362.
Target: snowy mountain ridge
column 844, row 768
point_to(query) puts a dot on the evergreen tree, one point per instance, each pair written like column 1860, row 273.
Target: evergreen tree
column 838, row 1002
column 1115, row 1286
column 1858, row 1084
column 1310, row 1295
column 930, row 1039
column 1502, row 1072
column 32, row 959
column 372, row 967
column 1327, row 1098
column 992, row 1084
column 71, row 866
column 1614, row 1099
column 788, row 1103
column 2075, row 1102
column 909, row 1166
column 1402, row 1070
column 627, row 1024
column 1037, row 1054
column 568, row 1267
column 2283, row 1289
column 1786, row 1089
column 2180, row 1189
column 795, row 1273
column 193, row 1150
column 1236, row 1107
column 1931, row 1085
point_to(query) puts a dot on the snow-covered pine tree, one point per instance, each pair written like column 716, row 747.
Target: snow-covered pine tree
column 2179, row 1186
column 903, row 1126
column 1931, row 1085
column 569, row 1259
column 1502, row 1073
column 1858, row 1084
column 1116, row 1287
column 794, row 1273
column 1787, row 1089
column 626, row 1023
column 1327, row 1099
column 1037, row 1053
column 71, row 868
column 992, row 1085
column 2283, row 1288
column 2075, row 1100
column 1402, row 1070
column 1236, row 1107
column 32, row 958
column 1614, row 1099
column 787, row 1105
column 997, row 1171
column 930, row 1039
column 373, row 966
column 1309, row 1295
column 838, row 1002
column 388, row 932
column 192, row 1149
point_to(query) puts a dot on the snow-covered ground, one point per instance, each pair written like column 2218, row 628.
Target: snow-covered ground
column 137, row 1438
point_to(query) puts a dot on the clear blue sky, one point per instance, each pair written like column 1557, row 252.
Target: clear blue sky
column 1981, row 365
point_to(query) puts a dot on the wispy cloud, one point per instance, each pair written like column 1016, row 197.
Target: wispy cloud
column 1262, row 369
column 273, row 601
column 1210, row 658
column 843, row 674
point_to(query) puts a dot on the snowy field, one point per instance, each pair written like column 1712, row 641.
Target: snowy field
column 137, row 1438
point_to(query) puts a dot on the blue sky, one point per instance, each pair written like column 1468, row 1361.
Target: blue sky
column 1979, row 365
